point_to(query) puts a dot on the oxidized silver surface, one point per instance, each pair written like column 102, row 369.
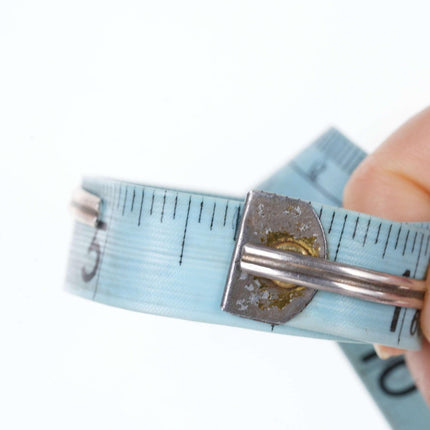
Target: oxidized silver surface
column 270, row 219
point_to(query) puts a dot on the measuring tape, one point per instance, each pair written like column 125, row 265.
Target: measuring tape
column 321, row 172
column 168, row 252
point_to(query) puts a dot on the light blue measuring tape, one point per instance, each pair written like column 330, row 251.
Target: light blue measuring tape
column 168, row 252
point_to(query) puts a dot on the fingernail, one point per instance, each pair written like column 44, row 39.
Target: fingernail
column 385, row 352
column 381, row 352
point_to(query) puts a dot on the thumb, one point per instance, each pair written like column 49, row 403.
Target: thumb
column 394, row 183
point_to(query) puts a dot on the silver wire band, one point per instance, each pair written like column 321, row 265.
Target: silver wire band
column 331, row 276
column 85, row 207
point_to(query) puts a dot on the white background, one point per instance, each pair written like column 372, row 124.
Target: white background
column 212, row 96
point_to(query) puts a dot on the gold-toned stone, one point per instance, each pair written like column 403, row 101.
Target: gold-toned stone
column 282, row 297
column 285, row 241
column 289, row 245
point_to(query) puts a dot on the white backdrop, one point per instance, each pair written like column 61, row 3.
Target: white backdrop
column 211, row 96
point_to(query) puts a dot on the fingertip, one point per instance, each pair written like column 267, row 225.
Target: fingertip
column 378, row 191
column 385, row 352
column 354, row 195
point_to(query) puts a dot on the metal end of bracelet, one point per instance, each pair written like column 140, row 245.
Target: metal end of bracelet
column 86, row 207
column 283, row 224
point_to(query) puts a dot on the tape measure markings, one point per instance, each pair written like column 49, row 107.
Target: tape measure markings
column 401, row 325
column 185, row 232
column 396, row 314
column 213, row 214
column 413, row 243
column 162, row 209
column 357, row 219
column 382, row 379
column 347, row 158
column 132, row 200
column 176, row 205
column 419, row 255
column 340, row 237
column 387, row 240
column 152, row 203
column 200, row 212
column 225, row 214
column 313, row 180
column 398, row 236
column 121, row 203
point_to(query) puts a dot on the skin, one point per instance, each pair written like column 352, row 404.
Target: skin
column 396, row 181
